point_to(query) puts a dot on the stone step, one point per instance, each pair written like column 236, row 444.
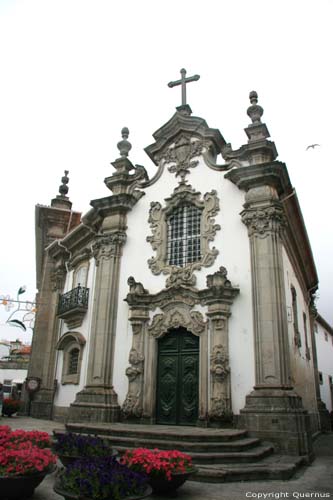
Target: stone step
column 236, row 457
column 190, row 447
column 161, row 432
column 280, row 467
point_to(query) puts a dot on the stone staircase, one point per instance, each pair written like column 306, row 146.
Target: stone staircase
column 220, row 455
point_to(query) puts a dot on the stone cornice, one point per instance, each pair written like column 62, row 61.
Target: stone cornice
column 219, row 290
column 273, row 174
column 298, row 244
column 186, row 124
column 121, row 203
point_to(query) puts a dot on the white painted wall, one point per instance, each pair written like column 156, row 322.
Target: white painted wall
column 234, row 254
column 66, row 393
column 302, row 369
column 324, row 344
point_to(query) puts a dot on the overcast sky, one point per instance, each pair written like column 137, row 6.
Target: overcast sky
column 74, row 72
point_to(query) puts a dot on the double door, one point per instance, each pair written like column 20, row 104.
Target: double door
column 178, row 378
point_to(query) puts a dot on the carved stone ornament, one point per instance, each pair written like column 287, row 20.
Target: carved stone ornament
column 108, row 245
column 132, row 406
column 219, row 363
column 209, row 206
column 261, row 222
column 180, row 154
column 136, row 287
column 219, row 408
column 161, row 323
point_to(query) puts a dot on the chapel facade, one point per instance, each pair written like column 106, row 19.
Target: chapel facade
column 185, row 298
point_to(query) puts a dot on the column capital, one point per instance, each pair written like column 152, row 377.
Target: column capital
column 108, row 245
column 264, row 220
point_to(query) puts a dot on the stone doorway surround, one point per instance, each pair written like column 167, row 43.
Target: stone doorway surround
column 176, row 308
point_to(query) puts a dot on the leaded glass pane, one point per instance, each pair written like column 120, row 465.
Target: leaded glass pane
column 184, row 235
column 73, row 361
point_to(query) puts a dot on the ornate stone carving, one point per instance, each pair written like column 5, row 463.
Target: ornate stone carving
column 158, row 223
column 181, row 154
column 136, row 287
column 218, row 279
column 219, row 363
column 219, row 409
column 108, row 245
column 161, row 323
column 261, row 222
column 132, row 406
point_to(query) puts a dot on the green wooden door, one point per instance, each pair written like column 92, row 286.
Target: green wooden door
column 178, row 378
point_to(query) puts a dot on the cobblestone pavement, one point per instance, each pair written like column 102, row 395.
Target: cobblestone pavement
column 315, row 481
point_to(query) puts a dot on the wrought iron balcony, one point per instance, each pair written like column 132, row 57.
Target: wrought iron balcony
column 73, row 306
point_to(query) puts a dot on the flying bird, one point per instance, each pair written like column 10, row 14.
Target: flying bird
column 312, row 146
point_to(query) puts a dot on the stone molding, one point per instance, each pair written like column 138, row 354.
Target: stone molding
column 158, row 223
column 177, row 305
column 181, row 316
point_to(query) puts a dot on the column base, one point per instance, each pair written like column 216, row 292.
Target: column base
column 276, row 414
column 42, row 404
column 95, row 404
column 324, row 417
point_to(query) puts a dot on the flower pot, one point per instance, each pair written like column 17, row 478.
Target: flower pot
column 161, row 485
column 20, row 487
column 71, row 496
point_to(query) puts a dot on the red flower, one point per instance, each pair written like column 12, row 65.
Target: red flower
column 19, row 453
column 157, row 462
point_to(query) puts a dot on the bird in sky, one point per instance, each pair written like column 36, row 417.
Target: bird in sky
column 312, row 146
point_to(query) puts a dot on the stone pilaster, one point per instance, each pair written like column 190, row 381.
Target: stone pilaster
column 220, row 391
column 273, row 411
column 98, row 400
column 132, row 408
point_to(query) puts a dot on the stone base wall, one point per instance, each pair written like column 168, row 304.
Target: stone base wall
column 279, row 417
column 60, row 413
column 95, row 404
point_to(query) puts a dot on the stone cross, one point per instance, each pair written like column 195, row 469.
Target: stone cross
column 183, row 81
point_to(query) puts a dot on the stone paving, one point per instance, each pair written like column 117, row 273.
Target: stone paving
column 315, row 481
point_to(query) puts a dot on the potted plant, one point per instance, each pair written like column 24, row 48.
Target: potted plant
column 103, row 478
column 10, row 406
column 23, row 464
column 167, row 470
column 71, row 446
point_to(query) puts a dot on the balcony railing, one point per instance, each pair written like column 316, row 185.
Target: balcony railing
column 73, row 305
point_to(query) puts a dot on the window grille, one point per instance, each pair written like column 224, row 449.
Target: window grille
column 73, row 362
column 184, row 227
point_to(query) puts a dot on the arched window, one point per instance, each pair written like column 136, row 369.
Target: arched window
column 297, row 336
column 73, row 361
column 183, row 233
column 80, row 276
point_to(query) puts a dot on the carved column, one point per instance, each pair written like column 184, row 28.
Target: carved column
column 273, row 410
column 133, row 404
column 219, row 297
column 220, row 401
column 98, row 400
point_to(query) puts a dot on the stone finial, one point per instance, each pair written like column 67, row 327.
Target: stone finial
column 63, row 189
column 255, row 111
column 124, row 146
